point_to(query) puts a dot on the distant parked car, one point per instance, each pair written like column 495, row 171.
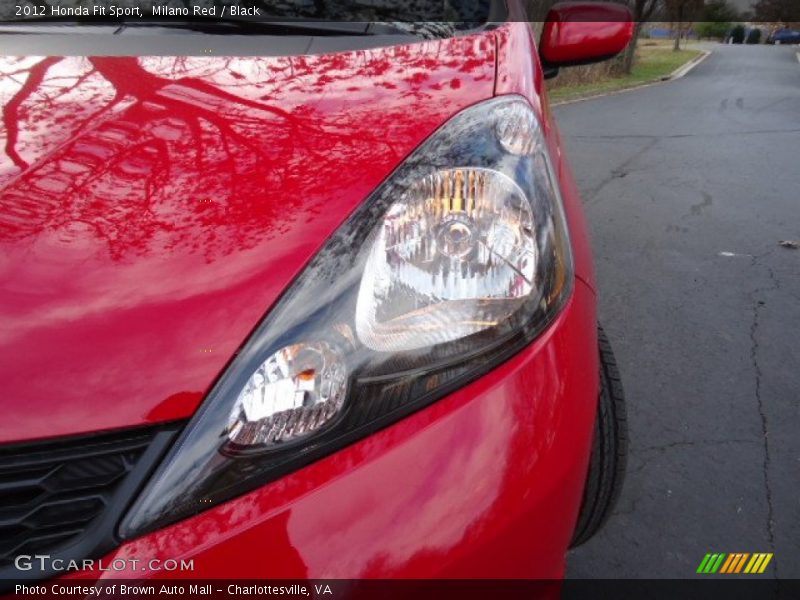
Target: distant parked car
column 784, row 36
column 737, row 34
column 753, row 37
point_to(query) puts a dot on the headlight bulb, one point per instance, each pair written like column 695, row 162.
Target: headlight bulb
column 456, row 237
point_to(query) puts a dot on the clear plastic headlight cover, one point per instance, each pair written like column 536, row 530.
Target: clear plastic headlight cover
column 457, row 261
column 290, row 395
column 456, row 254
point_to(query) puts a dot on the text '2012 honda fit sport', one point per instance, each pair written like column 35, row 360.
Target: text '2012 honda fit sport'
column 298, row 298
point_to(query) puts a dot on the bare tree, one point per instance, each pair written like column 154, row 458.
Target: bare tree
column 679, row 12
column 642, row 11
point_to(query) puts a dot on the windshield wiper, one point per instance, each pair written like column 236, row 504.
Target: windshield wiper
column 259, row 27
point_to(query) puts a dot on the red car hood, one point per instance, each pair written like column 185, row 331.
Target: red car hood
column 152, row 209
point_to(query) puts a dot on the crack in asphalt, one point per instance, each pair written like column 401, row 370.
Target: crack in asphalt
column 734, row 443
column 673, row 136
column 692, row 443
column 644, row 462
column 619, row 171
column 695, row 210
column 754, row 346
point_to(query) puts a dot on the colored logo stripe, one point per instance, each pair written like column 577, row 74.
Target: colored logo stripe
column 710, row 563
column 703, row 563
column 727, row 564
column 735, row 563
column 758, row 563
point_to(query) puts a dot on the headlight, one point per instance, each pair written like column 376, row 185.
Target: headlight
column 455, row 255
column 452, row 265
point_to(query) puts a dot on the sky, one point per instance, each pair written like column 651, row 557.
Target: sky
column 742, row 4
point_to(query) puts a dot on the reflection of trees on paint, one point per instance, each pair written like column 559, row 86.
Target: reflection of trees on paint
column 155, row 154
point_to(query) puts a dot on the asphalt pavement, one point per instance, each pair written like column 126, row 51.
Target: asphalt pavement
column 689, row 186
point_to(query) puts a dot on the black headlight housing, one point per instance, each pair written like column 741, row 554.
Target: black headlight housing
column 396, row 311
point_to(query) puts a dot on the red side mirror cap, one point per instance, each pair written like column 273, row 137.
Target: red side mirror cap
column 578, row 33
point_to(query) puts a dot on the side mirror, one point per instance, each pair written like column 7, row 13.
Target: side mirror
column 579, row 33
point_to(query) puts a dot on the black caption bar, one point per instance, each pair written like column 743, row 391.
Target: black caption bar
column 472, row 11
column 381, row 589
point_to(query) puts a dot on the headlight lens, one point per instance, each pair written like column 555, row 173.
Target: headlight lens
column 454, row 256
column 295, row 392
column 452, row 265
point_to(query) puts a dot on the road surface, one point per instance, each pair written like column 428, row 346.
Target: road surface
column 689, row 186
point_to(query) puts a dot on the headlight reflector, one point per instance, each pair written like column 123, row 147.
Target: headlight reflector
column 293, row 393
column 454, row 256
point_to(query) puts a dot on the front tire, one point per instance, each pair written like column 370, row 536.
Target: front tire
column 609, row 449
